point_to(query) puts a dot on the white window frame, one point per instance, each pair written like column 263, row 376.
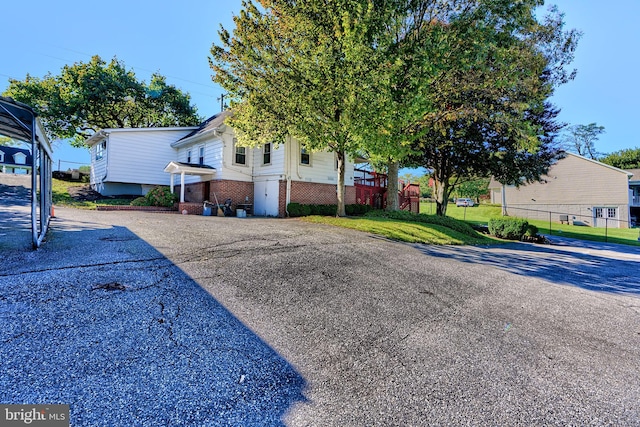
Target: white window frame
column 235, row 153
column 305, row 151
column 1, row 156
column 201, row 155
column 101, row 149
column 267, row 150
column 189, row 155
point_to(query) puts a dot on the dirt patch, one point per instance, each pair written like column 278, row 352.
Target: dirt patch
column 84, row 193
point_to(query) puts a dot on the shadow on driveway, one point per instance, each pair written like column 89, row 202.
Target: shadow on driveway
column 100, row 320
column 597, row 267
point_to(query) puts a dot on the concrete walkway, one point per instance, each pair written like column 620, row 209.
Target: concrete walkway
column 157, row 319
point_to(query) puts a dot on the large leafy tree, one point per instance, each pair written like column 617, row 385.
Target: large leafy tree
column 490, row 114
column 86, row 97
column 307, row 70
column 628, row 158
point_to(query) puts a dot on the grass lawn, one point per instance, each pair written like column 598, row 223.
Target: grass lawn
column 481, row 214
column 61, row 196
column 405, row 231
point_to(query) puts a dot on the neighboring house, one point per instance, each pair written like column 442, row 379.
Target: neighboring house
column 15, row 160
column 577, row 190
column 634, row 194
column 207, row 164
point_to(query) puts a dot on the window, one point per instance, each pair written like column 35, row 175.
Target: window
column 201, row 156
column 606, row 212
column 189, row 156
column 305, row 156
column 1, row 157
column 101, row 149
column 612, row 213
column 240, row 154
column 266, row 154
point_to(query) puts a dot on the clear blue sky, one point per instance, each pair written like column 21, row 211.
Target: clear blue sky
column 175, row 41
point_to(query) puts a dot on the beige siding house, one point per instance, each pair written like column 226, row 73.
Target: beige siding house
column 578, row 190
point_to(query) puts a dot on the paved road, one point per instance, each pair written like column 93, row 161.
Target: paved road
column 157, row 319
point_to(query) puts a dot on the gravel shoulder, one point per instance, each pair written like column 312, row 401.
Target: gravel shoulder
column 156, row 319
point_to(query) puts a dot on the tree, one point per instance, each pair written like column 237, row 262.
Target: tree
column 473, row 188
column 628, row 158
column 581, row 139
column 303, row 70
column 86, row 97
column 490, row 113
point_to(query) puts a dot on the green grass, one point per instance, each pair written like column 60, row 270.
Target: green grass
column 61, row 196
column 405, row 231
column 482, row 213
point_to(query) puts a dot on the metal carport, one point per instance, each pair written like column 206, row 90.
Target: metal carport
column 19, row 121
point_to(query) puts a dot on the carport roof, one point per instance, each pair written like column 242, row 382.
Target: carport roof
column 16, row 119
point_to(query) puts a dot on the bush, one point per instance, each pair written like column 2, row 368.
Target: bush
column 357, row 209
column 161, row 196
column 140, row 201
column 532, row 231
column 508, row 228
column 296, row 210
column 443, row 221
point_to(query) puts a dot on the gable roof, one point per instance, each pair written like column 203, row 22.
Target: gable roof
column 9, row 152
column 208, row 127
column 636, row 175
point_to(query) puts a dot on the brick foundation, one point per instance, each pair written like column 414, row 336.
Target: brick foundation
column 311, row 193
column 191, row 208
column 237, row 191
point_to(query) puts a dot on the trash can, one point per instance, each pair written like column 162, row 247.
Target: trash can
column 206, row 210
column 241, row 213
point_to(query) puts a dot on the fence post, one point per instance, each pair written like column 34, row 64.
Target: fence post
column 550, row 233
column 606, row 229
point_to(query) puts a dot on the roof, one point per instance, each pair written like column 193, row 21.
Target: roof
column 495, row 184
column 103, row 133
column 9, row 152
column 16, row 119
column 636, row 175
column 209, row 126
column 189, row 168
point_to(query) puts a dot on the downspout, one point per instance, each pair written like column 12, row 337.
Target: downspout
column 287, row 174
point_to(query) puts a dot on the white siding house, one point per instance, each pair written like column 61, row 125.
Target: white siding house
column 207, row 165
column 131, row 161
column 576, row 189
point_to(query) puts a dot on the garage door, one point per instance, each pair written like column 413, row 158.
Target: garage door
column 266, row 195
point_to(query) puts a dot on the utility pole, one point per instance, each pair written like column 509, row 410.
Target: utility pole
column 221, row 99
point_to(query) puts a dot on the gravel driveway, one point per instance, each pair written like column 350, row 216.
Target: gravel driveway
column 159, row 319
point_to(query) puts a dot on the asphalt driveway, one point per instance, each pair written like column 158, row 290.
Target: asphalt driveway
column 158, row 319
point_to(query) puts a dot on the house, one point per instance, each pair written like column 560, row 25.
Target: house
column 634, row 195
column 15, row 160
column 577, row 190
column 210, row 165
column 131, row 161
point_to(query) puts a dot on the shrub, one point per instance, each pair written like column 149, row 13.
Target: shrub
column 161, row 196
column 357, row 209
column 532, row 231
column 139, row 201
column 508, row 228
column 323, row 210
column 296, row 209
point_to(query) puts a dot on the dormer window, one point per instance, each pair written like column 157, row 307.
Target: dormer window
column 19, row 159
column 1, row 157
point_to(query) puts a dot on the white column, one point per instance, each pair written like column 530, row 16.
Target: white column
column 182, row 187
column 171, row 184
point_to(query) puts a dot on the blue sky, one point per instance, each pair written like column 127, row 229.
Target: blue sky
column 175, row 41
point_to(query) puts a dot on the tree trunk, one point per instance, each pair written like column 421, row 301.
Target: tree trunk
column 392, row 186
column 340, row 186
column 441, row 193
